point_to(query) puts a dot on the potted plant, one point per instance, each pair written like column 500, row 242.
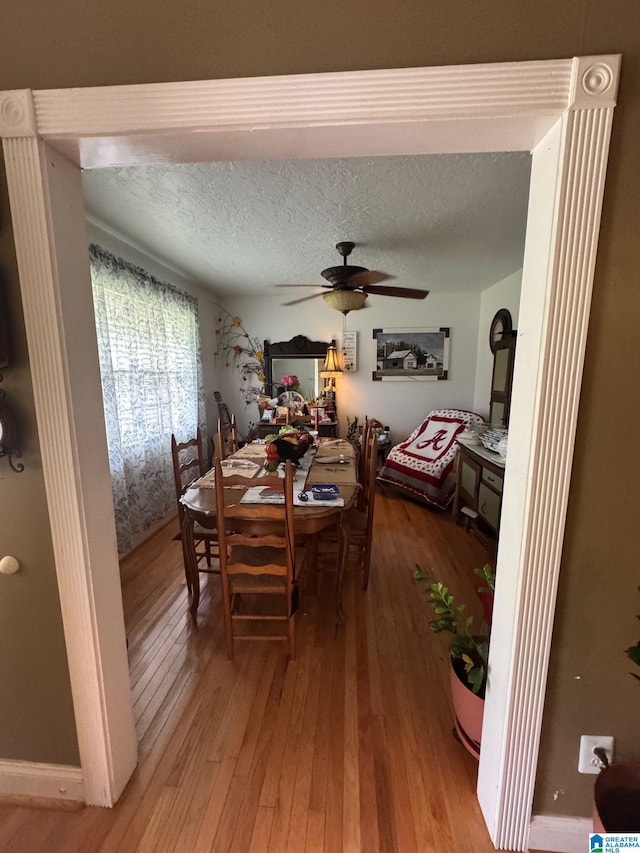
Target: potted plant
column 352, row 430
column 617, row 788
column 468, row 651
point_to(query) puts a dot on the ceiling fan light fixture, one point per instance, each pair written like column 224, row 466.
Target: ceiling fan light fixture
column 345, row 300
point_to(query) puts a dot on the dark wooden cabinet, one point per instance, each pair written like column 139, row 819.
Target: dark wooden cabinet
column 328, row 430
column 479, row 471
column 264, row 428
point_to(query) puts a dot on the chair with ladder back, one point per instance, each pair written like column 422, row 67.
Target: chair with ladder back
column 227, row 430
column 189, row 465
column 259, row 563
column 356, row 525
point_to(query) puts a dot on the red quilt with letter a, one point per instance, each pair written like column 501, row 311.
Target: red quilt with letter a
column 423, row 464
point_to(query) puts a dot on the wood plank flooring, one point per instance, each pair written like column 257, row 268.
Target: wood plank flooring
column 349, row 747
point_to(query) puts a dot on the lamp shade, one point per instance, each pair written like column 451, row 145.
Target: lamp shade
column 331, row 366
column 345, row 300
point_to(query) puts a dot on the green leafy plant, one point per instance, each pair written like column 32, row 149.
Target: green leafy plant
column 472, row 651
column 352, row 429
column 634, row 652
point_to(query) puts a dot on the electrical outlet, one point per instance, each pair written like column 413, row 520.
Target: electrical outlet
column 588, row 762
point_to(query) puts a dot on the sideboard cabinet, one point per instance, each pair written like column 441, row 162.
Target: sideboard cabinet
column 480, row 475
column 264, row 428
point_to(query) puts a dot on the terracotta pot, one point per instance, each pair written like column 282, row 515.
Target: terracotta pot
column 617, row 799
column 469, row 710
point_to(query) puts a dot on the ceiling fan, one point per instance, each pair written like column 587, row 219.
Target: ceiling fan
column 349, row 286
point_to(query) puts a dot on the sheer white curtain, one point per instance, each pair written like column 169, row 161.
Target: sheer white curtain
column 150, row 361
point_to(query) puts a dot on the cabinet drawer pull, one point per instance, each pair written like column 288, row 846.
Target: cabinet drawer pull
column 494, row 480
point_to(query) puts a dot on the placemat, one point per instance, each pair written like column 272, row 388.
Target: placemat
column 260, row 495
column 336, row 447
column 230, row 468
column 251, row 451
column 343, row 475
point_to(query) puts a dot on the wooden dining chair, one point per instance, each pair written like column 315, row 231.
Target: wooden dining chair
column 371, row 426
column 356, row 525
column 227, row 427
column 188, row 465
column 225, row 442
column 259, row 562
column 218, row 446
column 330, row 545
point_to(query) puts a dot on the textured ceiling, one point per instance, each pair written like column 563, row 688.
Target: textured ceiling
column 443, row 222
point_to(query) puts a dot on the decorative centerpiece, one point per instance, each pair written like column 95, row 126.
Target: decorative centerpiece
column 290, row 444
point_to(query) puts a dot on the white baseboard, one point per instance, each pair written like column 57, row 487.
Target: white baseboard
column 42, row 781
column 560, row 834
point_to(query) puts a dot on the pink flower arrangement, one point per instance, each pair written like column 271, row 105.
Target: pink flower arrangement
column 290, row 381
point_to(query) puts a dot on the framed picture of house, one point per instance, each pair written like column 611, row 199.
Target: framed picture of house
column 411, row 354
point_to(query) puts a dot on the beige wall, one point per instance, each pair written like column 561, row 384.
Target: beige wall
column 80, row 44
column 36, row 711
column 356, row 394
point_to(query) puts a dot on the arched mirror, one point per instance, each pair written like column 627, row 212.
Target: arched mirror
column 299, row 357
column 502, row 340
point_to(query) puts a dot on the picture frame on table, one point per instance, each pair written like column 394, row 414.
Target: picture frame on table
column 317, row 413
column 411, row 354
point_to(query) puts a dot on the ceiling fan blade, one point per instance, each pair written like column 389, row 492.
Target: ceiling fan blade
column 366, row 277
column 404, row 292
column 302, row 299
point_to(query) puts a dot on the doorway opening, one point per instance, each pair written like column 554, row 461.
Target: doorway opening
column 560, row 110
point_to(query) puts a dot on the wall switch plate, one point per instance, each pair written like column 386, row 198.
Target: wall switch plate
column 588, row 762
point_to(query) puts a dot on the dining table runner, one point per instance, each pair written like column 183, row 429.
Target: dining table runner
column 335, row 462
column 332, row 461
column 230, row 468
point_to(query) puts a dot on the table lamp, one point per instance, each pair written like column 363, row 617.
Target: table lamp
column 331, row 370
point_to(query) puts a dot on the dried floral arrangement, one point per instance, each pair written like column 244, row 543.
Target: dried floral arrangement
column 243, row 351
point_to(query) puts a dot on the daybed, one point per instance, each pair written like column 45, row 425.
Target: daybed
column 423, row 465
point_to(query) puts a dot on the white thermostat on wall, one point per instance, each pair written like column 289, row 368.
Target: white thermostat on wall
column 349, row 355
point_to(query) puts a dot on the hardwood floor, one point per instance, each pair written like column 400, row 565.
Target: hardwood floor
column 349, row 747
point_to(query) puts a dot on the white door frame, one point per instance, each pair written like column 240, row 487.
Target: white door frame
column 560, row 110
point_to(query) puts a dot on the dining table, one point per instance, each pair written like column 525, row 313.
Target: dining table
column 329, row 461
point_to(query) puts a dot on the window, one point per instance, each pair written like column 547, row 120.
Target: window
column 149, row 348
